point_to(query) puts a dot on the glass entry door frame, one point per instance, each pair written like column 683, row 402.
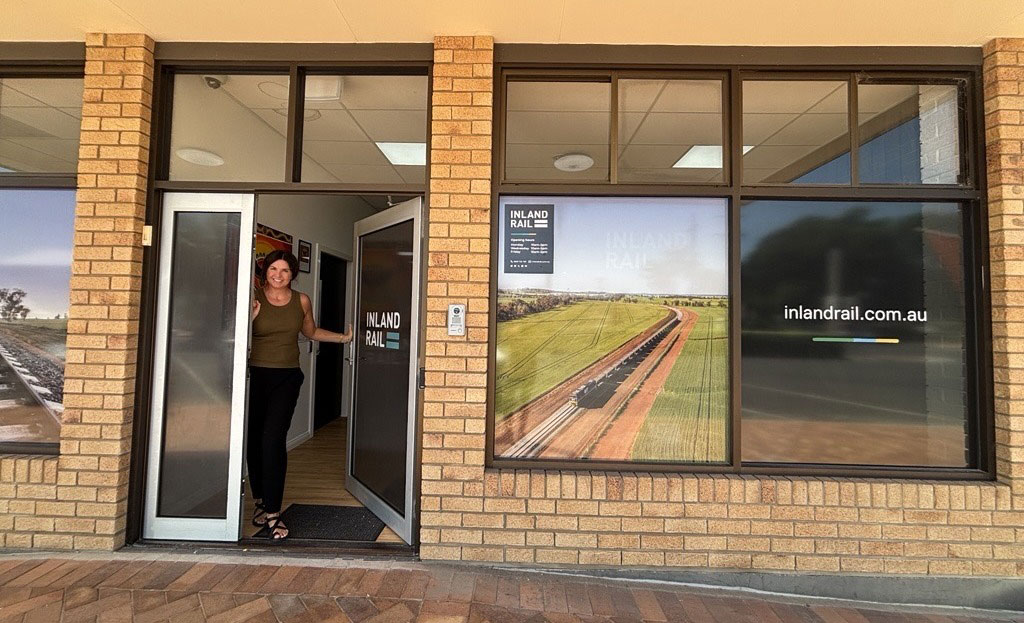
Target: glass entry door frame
column 401, row 522
column 227, row 528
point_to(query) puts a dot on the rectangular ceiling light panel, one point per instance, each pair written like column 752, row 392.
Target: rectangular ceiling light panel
column 404, row 153
column 703, row 157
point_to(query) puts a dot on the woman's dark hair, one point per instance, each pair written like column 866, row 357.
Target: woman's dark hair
column 278, row 254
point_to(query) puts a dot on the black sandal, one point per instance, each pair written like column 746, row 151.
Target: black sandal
column 277, row 531
column 259, row 514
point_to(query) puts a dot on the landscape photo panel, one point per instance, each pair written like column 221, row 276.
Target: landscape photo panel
column 612, row 330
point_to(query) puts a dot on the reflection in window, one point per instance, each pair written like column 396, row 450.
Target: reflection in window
column 35, row 272
column 670, row 131
column 40, row 123
column 365, row 129
column 229, row 127
column 854, row 333
column 795, row 132
column 557, row 131
column 612, row 338
column 909, row 133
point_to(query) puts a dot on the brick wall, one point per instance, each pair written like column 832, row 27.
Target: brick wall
column 79, row 500
column 713, row 521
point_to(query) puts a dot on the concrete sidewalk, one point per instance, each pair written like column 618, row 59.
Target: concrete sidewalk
column 157, row 586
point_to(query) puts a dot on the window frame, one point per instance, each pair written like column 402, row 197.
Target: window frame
column 291, row 180
column 68, row 62
column 855, row 65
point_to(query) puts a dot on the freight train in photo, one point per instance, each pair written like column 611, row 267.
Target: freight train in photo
column 596, row 392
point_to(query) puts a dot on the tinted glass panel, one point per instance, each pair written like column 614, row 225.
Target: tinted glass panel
column 670, row 131
column 200, row 358
column 228, row 127
column 40, row 122
column 557, row 131
column 795, row 132
column 909, row 133
column 853, row 329
column 380, row 430
column 35, row 270
column 612, row 330
column 365, row 129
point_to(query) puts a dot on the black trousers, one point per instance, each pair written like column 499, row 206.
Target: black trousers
column 273, row 393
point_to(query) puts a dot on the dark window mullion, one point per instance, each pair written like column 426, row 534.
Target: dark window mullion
column 293, row 139
column 613, row 130
column 851, row 101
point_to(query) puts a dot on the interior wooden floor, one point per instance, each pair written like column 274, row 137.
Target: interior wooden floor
column 316, row 475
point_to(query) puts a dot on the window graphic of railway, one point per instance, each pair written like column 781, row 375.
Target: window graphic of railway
column 596, row 392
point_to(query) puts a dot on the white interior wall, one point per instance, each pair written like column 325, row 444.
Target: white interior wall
column 323, row 221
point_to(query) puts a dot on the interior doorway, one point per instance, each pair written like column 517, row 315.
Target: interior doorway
column 320, row 505
column 329, row 396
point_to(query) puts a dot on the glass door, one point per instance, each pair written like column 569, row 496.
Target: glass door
column 194, row 471
column 382, row 426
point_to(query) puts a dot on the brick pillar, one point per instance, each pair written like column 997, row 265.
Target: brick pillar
column 1004, row 133
column 106, row 281
column 458, row 272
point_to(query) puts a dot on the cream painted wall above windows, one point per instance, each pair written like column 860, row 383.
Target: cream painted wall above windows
column 741, row 22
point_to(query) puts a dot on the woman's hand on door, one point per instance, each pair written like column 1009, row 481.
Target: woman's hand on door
column 255, row 309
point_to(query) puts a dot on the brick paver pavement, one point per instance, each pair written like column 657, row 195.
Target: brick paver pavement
column 229, row 589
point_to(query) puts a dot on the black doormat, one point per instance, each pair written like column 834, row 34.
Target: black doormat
column 328, row 523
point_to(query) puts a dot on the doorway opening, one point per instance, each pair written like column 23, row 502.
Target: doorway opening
column 317, row 506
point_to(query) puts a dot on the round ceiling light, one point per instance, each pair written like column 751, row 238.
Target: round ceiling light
column 199, row 156
column 310, row 114
column 275, row 90
column 573, row 162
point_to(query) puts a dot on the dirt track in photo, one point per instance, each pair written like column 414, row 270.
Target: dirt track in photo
column 654, row 390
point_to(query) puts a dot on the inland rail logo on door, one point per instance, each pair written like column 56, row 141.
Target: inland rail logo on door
column 382, row 329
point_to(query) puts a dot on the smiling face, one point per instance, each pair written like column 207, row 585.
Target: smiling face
column 279, row 274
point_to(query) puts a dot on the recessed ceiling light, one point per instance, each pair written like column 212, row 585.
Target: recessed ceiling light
column 703, row 157
column 323, row 88
column 199, row 156
column 273, row 89
column 573, row 162
column 404, row 153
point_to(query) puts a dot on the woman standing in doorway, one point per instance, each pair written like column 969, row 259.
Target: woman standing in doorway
column 279, row 314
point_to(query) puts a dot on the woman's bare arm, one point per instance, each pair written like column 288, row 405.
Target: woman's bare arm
column 315, row 333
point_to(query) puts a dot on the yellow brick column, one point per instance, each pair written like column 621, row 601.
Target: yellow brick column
column 106, row 281
column 458, row 272
column 1004, row 135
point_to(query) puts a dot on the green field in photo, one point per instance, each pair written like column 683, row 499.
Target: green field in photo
column 689, row 418
column 541, row 350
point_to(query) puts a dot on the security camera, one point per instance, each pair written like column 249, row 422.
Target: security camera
column 213, row 82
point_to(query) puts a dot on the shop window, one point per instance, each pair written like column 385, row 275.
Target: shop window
column 612, row 330
column 796, row 131
column 854, row 333
column 909, row 133
column 40, row 122
column 557, row 131
column 229, row 127
column 364, row 129
column 670, row 131
column 35, row 272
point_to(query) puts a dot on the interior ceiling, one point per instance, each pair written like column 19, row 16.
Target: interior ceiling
column 244, row 121
column 784, row 123
column 39, row 124
column 740, row 22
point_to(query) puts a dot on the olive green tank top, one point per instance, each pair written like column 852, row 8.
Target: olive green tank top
column 275, row 333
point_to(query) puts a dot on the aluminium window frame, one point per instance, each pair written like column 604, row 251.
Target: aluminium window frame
column 26, row 60
column 855, row 65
